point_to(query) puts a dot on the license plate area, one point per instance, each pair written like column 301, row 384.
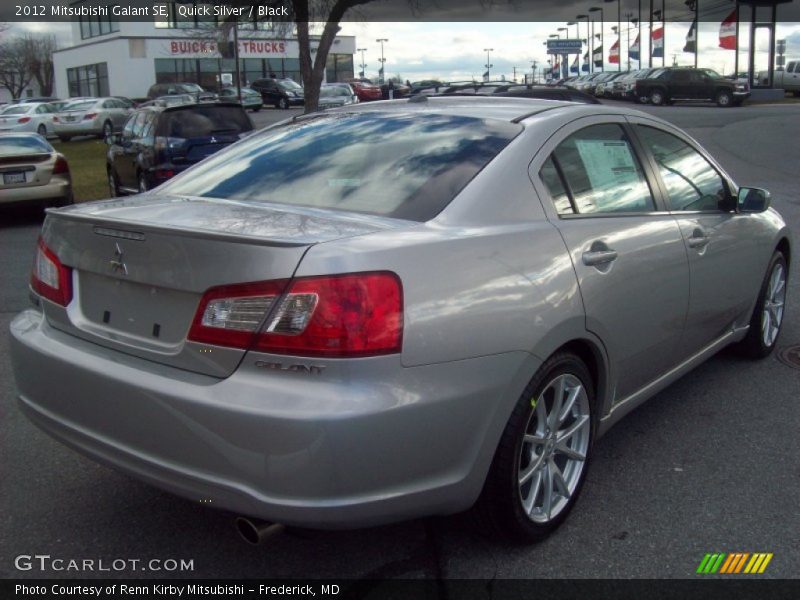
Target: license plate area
column 14, row 177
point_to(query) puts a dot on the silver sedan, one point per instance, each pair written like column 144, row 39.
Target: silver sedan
column 36, row 117
column 94, row 116
column 397, row 309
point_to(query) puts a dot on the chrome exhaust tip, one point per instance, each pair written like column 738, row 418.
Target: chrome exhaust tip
column 256, row 531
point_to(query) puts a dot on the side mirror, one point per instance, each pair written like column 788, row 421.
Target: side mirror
column 752, row 200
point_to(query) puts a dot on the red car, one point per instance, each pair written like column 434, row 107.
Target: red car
column 366, row 90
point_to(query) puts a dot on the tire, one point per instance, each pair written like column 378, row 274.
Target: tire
column 762, row 337
column 724, row 99
column 66, row 200
column 657, row 98
column 108, row 129
column 42, row 131
column 283, row 103
column 511, row 507
column 65, row 138
column 143, row 187
column 113, row 183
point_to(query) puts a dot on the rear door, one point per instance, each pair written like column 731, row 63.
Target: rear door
column 680, row 85
column 626, row 249
column 723, row 255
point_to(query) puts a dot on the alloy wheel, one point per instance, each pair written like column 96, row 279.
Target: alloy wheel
column 772, row 315
column 554, row 448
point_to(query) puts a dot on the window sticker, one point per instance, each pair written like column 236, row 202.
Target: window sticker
column 608, row 163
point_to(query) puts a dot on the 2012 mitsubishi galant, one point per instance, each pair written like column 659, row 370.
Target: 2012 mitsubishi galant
column 396, row 309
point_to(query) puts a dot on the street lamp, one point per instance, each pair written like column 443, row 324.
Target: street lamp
column 619, row 28
column 577, row 18
column 363, row 63
column 382, row 59
column 488, row 64
column 602, row 25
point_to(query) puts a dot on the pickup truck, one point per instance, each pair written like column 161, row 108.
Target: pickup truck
column 788, row 79
column 671, row 84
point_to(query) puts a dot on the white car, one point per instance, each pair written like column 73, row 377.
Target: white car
column 35, row 117
column 336, row 94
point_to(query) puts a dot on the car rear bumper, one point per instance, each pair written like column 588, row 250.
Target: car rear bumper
column 92, row 127
column 355, row 445
column 57, row 190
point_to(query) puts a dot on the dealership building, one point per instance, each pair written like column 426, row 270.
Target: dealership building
column 112, row 56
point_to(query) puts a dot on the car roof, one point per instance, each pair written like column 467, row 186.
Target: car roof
column 503, row 108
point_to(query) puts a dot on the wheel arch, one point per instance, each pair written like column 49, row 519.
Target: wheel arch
column 594, row 357
column 784, row 247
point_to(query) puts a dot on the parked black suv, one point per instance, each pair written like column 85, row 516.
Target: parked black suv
column 158, row 142
column 671, row 84
column 281, row 93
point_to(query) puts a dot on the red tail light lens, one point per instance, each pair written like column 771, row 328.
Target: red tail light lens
column 23, row 120
column 89, row 116
column 50, row 279
column 351, row 315
column 61, row 167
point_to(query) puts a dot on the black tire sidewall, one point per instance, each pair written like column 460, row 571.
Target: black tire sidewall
column 501, row 504
column 753, row 344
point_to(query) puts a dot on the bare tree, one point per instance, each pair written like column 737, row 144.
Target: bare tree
column 15, row 73
column 39, row 52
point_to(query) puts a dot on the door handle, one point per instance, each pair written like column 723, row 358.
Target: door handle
column 598, row 257
column 699, row 239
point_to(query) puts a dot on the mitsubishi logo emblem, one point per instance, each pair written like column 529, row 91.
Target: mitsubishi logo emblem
column 213, row 140
column 117, row 265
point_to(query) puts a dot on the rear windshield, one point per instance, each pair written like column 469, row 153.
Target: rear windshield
column 203, row 121
column 327, row 92
column 403, row 166
column 19, row 109
column 82, row 105
column 23, row 144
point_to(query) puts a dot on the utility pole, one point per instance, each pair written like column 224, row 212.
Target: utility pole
column 488, row 64
column 382, row 59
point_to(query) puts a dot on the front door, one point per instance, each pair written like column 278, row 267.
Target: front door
column 723, row 257
column 627, row 251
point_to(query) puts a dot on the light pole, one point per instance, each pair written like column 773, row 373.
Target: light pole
column 629, row 18
column 602, row 25
column 488, row 64
column 382, row 59
column 619, row 28
column 533, row 69
column 588, row 39
column 363, row 63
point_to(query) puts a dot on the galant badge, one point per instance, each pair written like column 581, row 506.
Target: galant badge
column 117, row 264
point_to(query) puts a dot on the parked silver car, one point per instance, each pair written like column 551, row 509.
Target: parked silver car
column 95, row 116
column 32, row 172
column 36, row 117
column 340, row 320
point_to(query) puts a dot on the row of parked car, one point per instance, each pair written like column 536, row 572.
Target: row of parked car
column 662, row 85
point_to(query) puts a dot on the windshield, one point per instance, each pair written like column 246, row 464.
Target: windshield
column 81, row 105
column 23, row 144
column 404, row 166
column 191, row 87
column 712, row 73
column 17, row 109
column 288, row 84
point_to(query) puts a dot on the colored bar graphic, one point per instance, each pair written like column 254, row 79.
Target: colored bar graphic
column 734, row 563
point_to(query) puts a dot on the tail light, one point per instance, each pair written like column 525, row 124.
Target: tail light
column 359, row 314
column 164, row 173
column 61, row 167
column 89, row 116
column 50, row 278
column 23, row 120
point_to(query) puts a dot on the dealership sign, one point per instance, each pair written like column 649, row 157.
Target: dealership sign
column 247, row 48
column 557, row 46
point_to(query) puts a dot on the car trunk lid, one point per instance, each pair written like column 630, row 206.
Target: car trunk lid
column 141, row 265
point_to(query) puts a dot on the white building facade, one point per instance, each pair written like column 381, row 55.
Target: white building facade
column 124, row 58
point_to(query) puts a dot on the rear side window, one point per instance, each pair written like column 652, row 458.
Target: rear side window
column 403, row 166
column 600, row 172
column 203, row 121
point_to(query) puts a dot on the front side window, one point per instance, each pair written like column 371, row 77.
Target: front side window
column 601, row 173
column 691, row 182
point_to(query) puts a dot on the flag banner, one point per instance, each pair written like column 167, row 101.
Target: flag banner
column 556, row 68
column 585, row 65
column 633, row 51
column 597, row 56
column 727, row 32
column 691, row 39
column 658, row 42
column 613, row 54
column 574, row 67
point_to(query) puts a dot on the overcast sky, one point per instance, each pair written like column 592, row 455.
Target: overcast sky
column 454, row 51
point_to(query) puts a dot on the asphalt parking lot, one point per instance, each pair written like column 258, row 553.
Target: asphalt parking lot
column 708, row 465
